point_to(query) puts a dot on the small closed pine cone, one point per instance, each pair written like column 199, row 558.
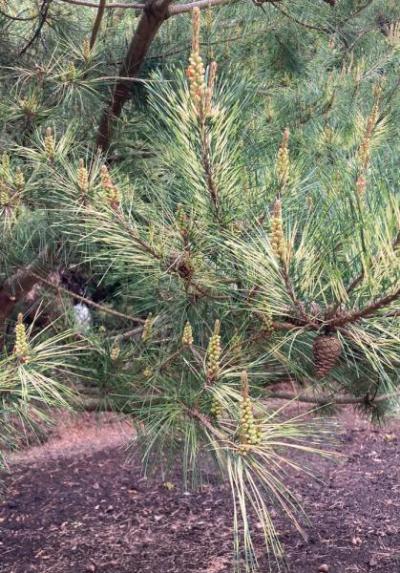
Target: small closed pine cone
column 326, row 350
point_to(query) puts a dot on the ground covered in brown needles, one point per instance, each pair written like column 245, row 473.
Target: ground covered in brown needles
column 76, row 506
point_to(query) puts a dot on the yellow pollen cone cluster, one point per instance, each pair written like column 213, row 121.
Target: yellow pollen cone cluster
column 216, row 408
column 82, row 177
column 148, row 327
column 278, row 242
column 283, row 161
column 19, row 180
column 111, row 190
column 21, row 347
column 49, row 144
column 115, row 352
column 5, row 162
column 187, row 336
column 86, row 49
column 182, row 220
column 214, row 353
column 201, row 91
column 249, row 432
column 4, row 194
column 267, row 319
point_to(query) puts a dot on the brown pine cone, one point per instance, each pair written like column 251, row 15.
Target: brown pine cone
column 326, row 350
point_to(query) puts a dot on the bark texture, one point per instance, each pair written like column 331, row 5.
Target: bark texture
column 153, row 15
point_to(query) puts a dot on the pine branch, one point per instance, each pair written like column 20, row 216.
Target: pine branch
column 97, row 22
column 204, row 421
column 331, row 400
column 87, row 301
column 96, row 5
column 359, row 278
column 173, row 10
column 366, row 312
column 19, row 18
column 44, row 9
column 300, row 22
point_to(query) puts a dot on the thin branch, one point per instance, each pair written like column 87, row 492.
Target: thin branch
column 356, row 12
column 151, row 19
column 331, row 400
column 201, row 4
column 88, row 4
column 299, row 22
column 194, row 413
column 367, row 311
column 87, row 301
column 357, row 280
column 44, row 9
column 128, row 333
column 173, row 10
column 19, row 18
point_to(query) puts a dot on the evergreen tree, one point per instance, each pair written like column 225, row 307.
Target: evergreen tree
column 243, row 231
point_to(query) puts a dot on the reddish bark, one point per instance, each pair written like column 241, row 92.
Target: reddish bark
column 153, row 16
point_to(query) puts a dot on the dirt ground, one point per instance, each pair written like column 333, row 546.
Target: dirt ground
column 76, row 506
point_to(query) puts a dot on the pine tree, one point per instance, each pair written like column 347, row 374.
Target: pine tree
column 244, row 231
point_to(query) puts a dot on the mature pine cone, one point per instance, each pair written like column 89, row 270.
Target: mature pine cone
column 326, row 350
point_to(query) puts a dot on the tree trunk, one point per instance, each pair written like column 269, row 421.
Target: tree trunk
column 153, row 16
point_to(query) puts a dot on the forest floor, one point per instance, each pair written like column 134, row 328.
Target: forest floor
column 76, row 505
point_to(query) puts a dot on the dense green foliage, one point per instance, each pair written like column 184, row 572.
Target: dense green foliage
column 238, row 238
